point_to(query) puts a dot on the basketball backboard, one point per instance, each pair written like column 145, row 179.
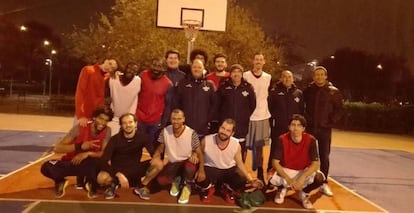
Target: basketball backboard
column 212, row 14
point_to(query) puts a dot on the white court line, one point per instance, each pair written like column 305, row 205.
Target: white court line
column 27, row 165
column 31, row 206
column 360, row 196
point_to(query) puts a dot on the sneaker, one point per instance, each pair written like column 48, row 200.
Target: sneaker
column 91, row 189
column 60, row 188
column 305, row 200
column 326, row 190
column 80, row 182
column 142, row 193
column 185, row 195
column 229, row 197
column 227, row 194
column 280, row 196
column 175, row 187
column 207, row 194
column 110, row 191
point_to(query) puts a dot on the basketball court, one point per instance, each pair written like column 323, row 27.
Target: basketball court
column 24, row 189
column 26, row 141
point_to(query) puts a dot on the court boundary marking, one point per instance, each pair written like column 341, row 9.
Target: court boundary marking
column 37, row 202
column 27, row 165
column 358, row 195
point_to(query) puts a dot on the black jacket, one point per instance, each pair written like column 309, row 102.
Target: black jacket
column 237, row 103
column 283, row 103
column 198, row 100
column 323, row 106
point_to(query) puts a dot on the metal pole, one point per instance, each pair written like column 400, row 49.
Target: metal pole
column 11, row 85
column 44, row 86
column 50, row 78
column 189, row 49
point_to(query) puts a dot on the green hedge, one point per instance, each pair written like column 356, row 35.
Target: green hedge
column 375, row 117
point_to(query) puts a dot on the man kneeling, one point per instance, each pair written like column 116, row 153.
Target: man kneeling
column 296, row 162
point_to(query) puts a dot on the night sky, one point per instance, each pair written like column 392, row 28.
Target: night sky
column 320, row 26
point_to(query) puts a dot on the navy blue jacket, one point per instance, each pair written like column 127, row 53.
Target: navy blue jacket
column 283, row 103
column 198, row 100
column 237, row 103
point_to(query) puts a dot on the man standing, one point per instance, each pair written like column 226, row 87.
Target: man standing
column 82, row 145
column 124, row 90
column 90, row 90
column 182, row 146
column 237, row 101
column 219, row 73
column 296, row 162
column 223, row 163
column 196, row 97
column 121, row 161
column 259, row 128
column 323, row 108
column 172, row 58
column 285, row 99
column 199, row 54
column 154, row 101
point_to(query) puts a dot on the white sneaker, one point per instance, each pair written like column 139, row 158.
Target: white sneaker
column 280, row 196
column 326, row 190
column 305, row 200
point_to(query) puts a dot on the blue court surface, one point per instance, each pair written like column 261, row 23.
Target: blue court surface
column 386, row 177
column 18, row 148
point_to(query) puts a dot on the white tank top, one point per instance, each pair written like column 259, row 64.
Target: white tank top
column 178, row 149
column 217, row 158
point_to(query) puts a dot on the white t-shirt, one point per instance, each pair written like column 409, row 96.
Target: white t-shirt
column 124, row 97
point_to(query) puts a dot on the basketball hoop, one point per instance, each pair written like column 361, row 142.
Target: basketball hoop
column 191, row 28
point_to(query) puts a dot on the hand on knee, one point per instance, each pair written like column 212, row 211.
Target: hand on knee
column 104, row 178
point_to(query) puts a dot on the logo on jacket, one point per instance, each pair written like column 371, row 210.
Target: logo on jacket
column 188, row 85
column 281, row 93
column 297, row 99
column 206, row 88
column 245, row 93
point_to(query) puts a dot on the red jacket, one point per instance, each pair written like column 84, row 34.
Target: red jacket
column 90, row 91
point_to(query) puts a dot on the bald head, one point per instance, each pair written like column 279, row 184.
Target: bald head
column 286, row 77
column 197, row 68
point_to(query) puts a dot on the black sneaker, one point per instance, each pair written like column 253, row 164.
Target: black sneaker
column 110, row 191
column 60, row 188
column 91, row 189
column 80, row 182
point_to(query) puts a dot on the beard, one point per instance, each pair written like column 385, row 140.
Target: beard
column 223, row 137
column 128, row 131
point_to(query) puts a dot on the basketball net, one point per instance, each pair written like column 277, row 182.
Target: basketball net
column 191, row 28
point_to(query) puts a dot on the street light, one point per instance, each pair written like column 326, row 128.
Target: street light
column 23, row 28
column 49, row 62
column 379, row 67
